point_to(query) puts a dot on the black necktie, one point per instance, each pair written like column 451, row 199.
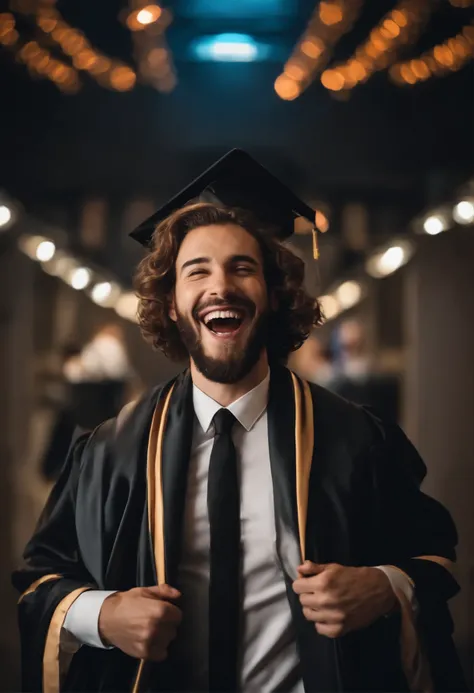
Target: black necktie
column 223, row 503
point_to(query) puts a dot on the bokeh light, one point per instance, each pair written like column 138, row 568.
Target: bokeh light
column 286, row 88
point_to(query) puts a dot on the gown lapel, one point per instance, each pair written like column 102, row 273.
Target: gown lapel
column 176, row 453
column 111, row 498
column 291, row 443
column 291, row 433
column 169, row 451
column 281, row 440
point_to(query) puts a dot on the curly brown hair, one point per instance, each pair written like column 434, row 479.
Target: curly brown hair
column 297, row 312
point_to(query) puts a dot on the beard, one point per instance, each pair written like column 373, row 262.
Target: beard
column 236, row 362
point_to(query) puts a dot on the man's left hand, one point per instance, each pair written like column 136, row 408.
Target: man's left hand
column 339, row 599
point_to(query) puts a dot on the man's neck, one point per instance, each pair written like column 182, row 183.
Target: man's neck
column 225, row 394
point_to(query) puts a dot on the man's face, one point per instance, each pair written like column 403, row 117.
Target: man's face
column 220, row 302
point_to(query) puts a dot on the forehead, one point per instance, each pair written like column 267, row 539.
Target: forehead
column 218, row 243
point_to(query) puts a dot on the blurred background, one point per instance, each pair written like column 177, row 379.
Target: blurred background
column 366, row 109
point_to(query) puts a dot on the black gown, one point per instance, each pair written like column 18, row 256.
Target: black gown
column 345, row 484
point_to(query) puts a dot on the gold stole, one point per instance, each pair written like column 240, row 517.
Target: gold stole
column 155, row 499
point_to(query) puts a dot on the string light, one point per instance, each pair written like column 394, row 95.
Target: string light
column 80, row 278
column 108, row 72
column 434, row 224
column 330, row 20
column 330, row 12
column 348, row 294
column 101, row 292
column 397, row 28
column 149, row 15
column 388, row 260
column 127, row 306
column 57, row 263
column 105, row 293
column 155, row 65
column 41, row 63
column 8, row 33
column 329, row 306
column 5, row 215
column 463, row 212
column 45, row 251
column 122, row 78
column 37, row 60
column 342, row 298
column 449, row 56
column 287, row 88
column 142, row 17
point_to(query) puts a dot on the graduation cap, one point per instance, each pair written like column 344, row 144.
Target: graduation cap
column 237, row 180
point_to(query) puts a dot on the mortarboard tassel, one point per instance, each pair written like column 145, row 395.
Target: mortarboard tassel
column 321, row 224
column 315, row 244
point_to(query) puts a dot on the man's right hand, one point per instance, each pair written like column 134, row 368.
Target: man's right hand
column 141, row 622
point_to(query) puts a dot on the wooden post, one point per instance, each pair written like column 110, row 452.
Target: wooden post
column 16, row 351
column 439, row 397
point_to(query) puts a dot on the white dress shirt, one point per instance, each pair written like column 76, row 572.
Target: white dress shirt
column 269, row 657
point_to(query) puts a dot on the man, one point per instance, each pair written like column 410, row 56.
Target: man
column 237, row 529
column 312, row 362
column 355, row 378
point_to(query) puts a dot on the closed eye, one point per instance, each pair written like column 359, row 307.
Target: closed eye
column 197, row 272
column 244, row 269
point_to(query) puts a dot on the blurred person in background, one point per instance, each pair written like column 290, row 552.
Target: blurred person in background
column 101, row 377
column 186, row 545
column 103, row 358
column 58, row 397
column 312, row 362
column 355, row 378
column 353, row 359
column 97, row 381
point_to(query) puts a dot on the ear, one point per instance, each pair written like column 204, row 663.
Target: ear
column 172, row 310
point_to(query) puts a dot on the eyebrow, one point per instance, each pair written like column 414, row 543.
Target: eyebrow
column 244, row 258
column 195, row 261
column 206, row 260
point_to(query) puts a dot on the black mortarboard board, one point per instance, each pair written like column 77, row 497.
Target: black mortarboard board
column 237, row 180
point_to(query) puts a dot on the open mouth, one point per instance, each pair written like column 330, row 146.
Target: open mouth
column 224, row 323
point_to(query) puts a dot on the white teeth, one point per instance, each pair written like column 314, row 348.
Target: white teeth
column 221, row 314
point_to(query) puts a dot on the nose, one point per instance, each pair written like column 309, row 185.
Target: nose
column 221, row 283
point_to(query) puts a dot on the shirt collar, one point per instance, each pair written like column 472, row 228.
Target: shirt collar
column 247, row 409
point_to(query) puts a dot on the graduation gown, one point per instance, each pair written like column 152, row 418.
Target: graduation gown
column 345, row 484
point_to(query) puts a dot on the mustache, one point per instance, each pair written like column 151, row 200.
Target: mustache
column 231, row 299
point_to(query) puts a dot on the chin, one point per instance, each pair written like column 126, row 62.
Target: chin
column 225, row 372
column 224, row 354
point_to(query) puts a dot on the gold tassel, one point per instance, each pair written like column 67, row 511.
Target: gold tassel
column 315, row 244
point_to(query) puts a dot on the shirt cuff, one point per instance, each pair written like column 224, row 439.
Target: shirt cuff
column 81, row 625
column 399, row 582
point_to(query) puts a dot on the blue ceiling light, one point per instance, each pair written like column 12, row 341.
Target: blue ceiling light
column 233, row 48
